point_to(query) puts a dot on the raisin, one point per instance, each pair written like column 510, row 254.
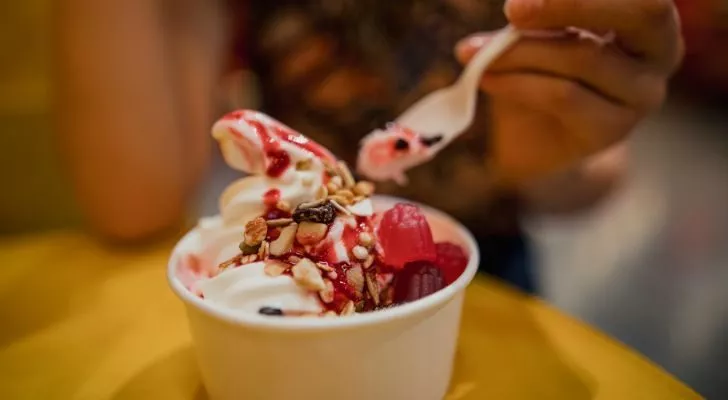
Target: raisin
column 325, row 213
column 271, row 311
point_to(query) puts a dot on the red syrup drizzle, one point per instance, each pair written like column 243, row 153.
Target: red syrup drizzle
column 277, row 159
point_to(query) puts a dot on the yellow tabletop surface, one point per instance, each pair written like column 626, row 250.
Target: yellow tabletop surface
column 84, row 321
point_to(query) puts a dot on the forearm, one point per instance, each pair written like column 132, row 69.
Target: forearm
column 117, row 119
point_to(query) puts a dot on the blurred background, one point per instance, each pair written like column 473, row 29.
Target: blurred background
column 648, row 266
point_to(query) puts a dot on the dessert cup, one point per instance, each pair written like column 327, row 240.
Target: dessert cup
column 404, row 352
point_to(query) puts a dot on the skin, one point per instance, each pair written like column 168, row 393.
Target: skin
column 137, row 94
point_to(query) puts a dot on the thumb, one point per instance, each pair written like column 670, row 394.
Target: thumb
column 466, row 48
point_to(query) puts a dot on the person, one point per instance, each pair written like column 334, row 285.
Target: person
column 139, row 89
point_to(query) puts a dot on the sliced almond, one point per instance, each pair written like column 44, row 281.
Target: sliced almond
column 255, row 231
column 340, row 199
column 345, row 173
column 294, row 259
column 386, row 296
column 362, row 208
column 360, row 252
column 279, row 222
column 310, row 233
column 372, row 287
column 349, row 308
column 355, row 278
column 368, row 262
column 327, row 294
column 365, row 239
column 308, row 276
column 263, row 250
column 275, row 268
column 364, row 188
column 340, row 208
column 284, row 243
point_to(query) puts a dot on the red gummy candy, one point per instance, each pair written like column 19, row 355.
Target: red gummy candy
column 452, row 259
column 405, row 236
column 417, row 280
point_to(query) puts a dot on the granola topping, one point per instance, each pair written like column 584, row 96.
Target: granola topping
column 255, row 231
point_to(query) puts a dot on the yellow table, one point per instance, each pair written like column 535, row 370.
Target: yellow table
column 81, row 321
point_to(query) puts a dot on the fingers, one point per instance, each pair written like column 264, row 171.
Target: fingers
column 589, row 122
column 648, row 28
column 598, row 68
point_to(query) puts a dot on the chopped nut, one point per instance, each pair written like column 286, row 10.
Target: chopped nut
column 284, row 243
column 324, row 267
column 310, row 232
column 322, row 193
column 263, row 250
column 248, row 259
column 336, row 180
column 233, row 261
column 340, row 199
column 369, row 262
column 307, row 275
column 275, row 268
column 339, row 207
column 283, row 205
column 327, row 294
column 331, row 188
column 307, row 181
column 330, row 169
column 294, row 259
column 279, row 222
column 386, row 296
column 347, row 194
column 372, row 287
column 345, row 173
column 246, row 249
column 322, row 212
column 304, row 165
column 366, row 239
column 360, row 252
column 355, row 278
column 358, row 199
column 330, row 314
column 333, row 275
column 349, row 308
column 255, row 231
column 364, row 188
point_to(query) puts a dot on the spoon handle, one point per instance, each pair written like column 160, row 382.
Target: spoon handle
column 497, row 46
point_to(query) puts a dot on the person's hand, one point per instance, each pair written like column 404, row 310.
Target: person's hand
column 558, row 101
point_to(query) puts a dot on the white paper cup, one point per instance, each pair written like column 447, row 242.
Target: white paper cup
column 402, row 353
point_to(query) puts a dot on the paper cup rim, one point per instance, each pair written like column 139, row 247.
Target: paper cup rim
column 359, row 320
